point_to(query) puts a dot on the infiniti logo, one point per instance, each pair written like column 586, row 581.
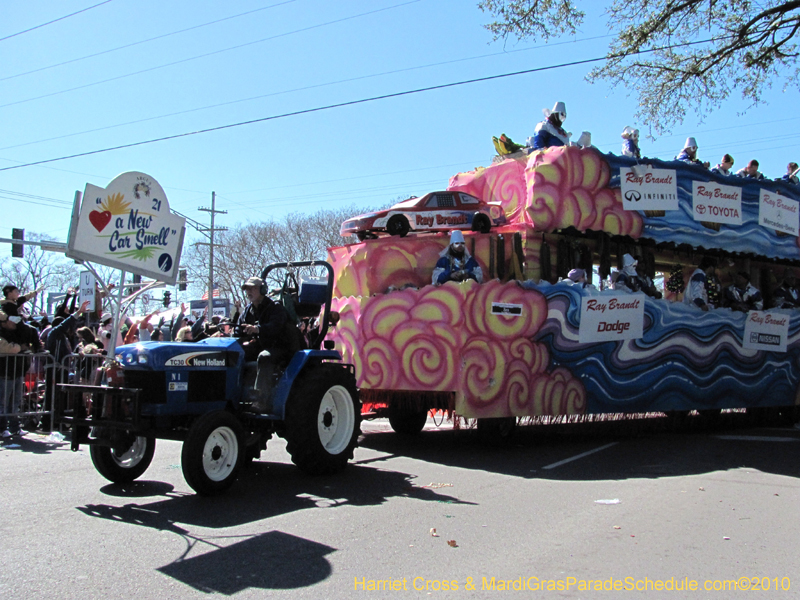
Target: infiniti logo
column 633, row 196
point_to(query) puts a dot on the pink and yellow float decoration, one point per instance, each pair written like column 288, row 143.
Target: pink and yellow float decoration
column 408, row 338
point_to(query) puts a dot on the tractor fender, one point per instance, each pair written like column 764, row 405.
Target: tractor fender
column 299, row 362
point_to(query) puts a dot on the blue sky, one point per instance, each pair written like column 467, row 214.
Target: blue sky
column 286, row 56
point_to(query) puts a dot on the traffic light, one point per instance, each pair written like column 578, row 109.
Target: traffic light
column 182, row 280
column 17, row 250
column 167, row 299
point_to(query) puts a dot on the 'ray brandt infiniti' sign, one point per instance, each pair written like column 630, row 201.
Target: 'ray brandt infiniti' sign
column 654, row 189
column 128, row 226
column 611, row 318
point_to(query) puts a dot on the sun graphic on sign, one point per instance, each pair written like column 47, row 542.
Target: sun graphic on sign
column 115, row 204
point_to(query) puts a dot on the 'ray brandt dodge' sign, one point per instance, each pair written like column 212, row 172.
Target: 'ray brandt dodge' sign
column 611, row 318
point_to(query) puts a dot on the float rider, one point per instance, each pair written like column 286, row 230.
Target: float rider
column 551, row 132
column 456, row 263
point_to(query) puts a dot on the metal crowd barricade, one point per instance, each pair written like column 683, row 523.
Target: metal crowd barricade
column 24, row 389
column 29, row 383
column 82, row 369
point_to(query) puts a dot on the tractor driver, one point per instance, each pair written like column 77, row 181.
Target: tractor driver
column 263, row 324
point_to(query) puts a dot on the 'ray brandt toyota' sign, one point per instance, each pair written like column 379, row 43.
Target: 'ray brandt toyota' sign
column 611, row 318
column 128, row 226
column 716, row 203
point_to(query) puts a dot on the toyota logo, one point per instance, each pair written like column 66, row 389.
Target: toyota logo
column 701, row 209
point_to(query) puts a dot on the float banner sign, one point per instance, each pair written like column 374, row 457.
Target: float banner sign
column 656, row 189
column 766, row 331
column 778, row 212
column 716, row 203
column 128, row 226
column 504, row 308
column 87, row 289
column 611, row 318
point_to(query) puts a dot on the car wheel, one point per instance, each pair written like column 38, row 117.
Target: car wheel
column 212, row 453
column 123, row 465
column 481, row 223
column 398, row 225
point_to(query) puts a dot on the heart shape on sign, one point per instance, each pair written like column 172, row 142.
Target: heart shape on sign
column 99, row 219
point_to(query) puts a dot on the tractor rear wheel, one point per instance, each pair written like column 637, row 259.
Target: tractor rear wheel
column 323, row 419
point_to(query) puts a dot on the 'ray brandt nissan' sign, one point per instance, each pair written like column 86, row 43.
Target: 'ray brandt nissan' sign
column 128, row 226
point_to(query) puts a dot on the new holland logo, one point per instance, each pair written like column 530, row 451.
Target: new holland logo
column 197, row 359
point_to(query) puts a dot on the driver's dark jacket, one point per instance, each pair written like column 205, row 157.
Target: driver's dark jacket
column 271, row 319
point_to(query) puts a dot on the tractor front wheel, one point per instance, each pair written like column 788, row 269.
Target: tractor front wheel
column 212, row 453
column 123, row 465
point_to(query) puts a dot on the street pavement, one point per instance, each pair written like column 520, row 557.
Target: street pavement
column 442, row 514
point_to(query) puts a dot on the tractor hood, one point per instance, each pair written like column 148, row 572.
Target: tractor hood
column 208, row 353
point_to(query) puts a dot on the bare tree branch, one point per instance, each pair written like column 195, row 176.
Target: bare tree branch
column 700, row 51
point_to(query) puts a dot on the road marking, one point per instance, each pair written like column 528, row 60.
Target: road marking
column 568, row 460
column 757, row 438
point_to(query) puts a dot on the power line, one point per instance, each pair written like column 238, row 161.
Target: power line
column 36, row 203
column 300, row 89
column 145, row 41
column 54, row 21
column 305, row 111
column 198, row 56
column 330, row 194
column 354, row 102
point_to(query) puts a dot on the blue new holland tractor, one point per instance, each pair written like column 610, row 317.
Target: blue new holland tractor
column 197, row 393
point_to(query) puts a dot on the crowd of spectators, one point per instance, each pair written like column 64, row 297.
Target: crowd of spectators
column 85, row 336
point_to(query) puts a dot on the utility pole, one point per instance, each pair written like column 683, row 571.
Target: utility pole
column 210, row 245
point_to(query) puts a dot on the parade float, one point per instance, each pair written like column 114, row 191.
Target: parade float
column 527, row 342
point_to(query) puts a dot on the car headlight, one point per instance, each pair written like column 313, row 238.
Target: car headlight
column 143, row 359
column 129, row 358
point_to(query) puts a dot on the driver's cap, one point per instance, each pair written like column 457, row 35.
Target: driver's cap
column 253, row 282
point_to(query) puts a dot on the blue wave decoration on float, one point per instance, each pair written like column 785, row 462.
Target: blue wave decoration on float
column 679, row 226
column 687, row 359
